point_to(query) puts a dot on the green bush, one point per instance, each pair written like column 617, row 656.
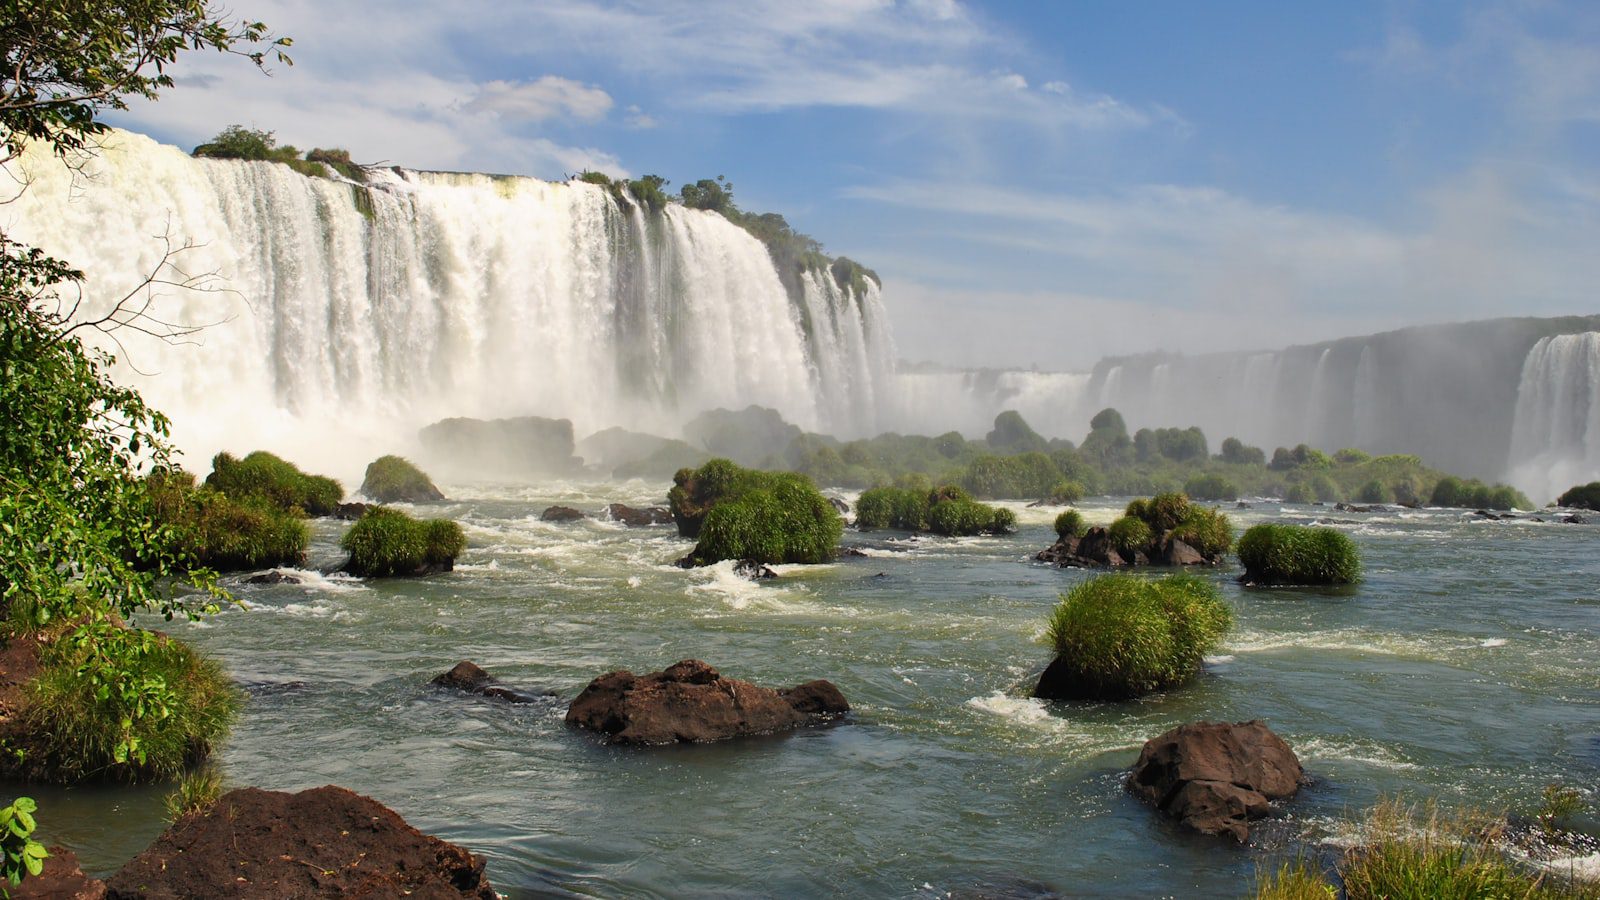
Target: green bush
column 1206, row 530
column 1130, row 535
column 1324, row 488
column 386, row 542
column 1235, row 451
column 1473, row 494
column 1295, row 554
column 393, row 479
column 1122, row 635
column 213, row 530
column 1584, row 496
column 968, row 517
column 1375, row 491
column 239, row 142
column 695, row 492
column 1064, row 492
column 1164, row 511
column 788, row 522
column 890, row 507
column 263, row 475
column 1299, row 492
column 1070, row 524
column 70, row 733
column 1211, row 487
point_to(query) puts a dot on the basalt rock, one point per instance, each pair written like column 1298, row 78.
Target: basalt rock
column 322, row 842
column 690, row 702
column 1091, row 550
column 351, row 511
column 840, row 505
column 468, row 677
column 639, row 518
column 753, row 569
column 274, row 577
column 1216, row 777
column 561, row 514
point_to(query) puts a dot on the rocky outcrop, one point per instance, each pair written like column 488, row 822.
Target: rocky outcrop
column 690, row 702
column 561, row 514
column 1092, row 550
column 468, row 677
column 840, row 505
column 323, row 842
column 639, row 518
column 517, row 448
column 1216, row 777
column 274, row 577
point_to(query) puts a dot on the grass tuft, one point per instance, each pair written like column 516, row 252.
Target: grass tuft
column 1296, row 554
column 198, row 790
column 387, row 542
column 1070, row 524
column 276, row 481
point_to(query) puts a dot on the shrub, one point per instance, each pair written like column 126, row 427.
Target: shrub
column 696, row 491
column 281, row 483
column 788, row 522
column 1122, row 635
column 1064, row 492
column 1070, row 524
column 1474, row 494
column 239, row 142
column 1206, row 530
column 386, row 542
column 70, row 733
column 1325, row 488
column 1297, row 880
column 1130, row 535
column 1375, row 491
column 1237, row 452
column 198, row 790
column 1295, row 554
column 967, row 517
column 1299, row 492
column 1350, row 456
column 1584, row 496
column 392, row 479
column 213, row 530
column 893, row 508
column 1211, row 487
column 1420, row 853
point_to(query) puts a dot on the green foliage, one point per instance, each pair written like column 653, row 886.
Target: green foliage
column 216, row 531
column 1164, row 511
column 1235, row 451
column 852, row 276
column 1296, row 880
column 712, row 195
column 1070, row 524
column 1583, row 496
column 1030, row 474
column 20, row 854
column 1350, row 456
column 198, row 790
column 1124, row 635
column 946, row 510
column 968, row 517
column 1301, row 457
column 787, row 521
column 1474, row 494
column 64, row 64
column 1130, row 535
column 1012, row 434
column 393, row 479
column 73, row 728
column 1295, row 554
column 1107, row 443
column 339, row 160
column 1375, row 491
column 1211, row 487
column 892, row 507
column 1110, row 421
column 591, row 177
column 1205, row 529
column 1176, row 444
column 1558, row 803
column 239, row 142
column 1300, row 492
column 268, row 478
column 1065, row 491
column 650, row 191
column 1324, row 487
column 386, row 541
column 696, row 491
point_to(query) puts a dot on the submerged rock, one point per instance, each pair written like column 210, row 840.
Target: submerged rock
column 274, row 577
column 561, row 514
column 690, row 702
column 1216, row 777
column 639, row 518
column 322, row 842
column 753, row 569
column 468, row 677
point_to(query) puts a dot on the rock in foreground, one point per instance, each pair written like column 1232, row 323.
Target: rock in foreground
column 323, row 842
column 691, row 702
column 1216, row 777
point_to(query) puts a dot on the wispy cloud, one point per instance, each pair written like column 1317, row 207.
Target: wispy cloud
column 546, row 98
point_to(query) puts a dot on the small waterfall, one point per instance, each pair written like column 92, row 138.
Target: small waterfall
column 1555, row 435
column 355, row 314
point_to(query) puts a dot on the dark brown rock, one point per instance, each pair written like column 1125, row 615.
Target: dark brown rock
column 691, row 702
column 1174, row 552
column 351, row 511
column 1092, row 550
column 639, row 518
column 753, row 569
column 62, row 879
column 467, row 676
column 1216, row 777
column 840, row 505
column 274, row 577
column 561, row 514
column 323, row 842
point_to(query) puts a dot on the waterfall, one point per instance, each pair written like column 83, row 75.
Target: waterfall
column 1555, row 436
column 353, row 315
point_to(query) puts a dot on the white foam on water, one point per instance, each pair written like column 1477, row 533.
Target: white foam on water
column 1345, row 639
column 740, row 593
column 1033, row 715
column 1493, row 642
column 1356, row 750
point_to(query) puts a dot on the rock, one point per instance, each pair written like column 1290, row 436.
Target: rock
column 561, row 514
column 850, row 551
column 62, row 879
column 351, row 511
column 691, row 702
column 1174, row 552
column 1092, row 550
column 840, row 505
column 1241, row 505
column 1347, row 507
column 274, row 577
column 747, row 436
column 1575, row 520
column 468, row 677
column 753, row 569
column 322, row 842
column 522, row 448
column 1216, row 777
column 639, row 518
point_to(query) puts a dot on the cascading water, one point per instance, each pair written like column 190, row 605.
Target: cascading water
column 1555, row 438
column 353, row 315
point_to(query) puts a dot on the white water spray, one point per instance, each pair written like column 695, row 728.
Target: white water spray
column 1555, row 441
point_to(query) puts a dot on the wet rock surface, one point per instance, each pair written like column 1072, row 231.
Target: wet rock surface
column 1216, row 777
column 639, row 518
column 467, row 676
column 561, row 514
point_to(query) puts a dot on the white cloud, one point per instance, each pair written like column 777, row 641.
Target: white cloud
column 638, row 118
column 547, row 98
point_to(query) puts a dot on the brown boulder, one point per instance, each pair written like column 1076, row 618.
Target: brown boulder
column 691, row 702
column 560, row 514
column 1092, row 550
column 1173, row 552
column 62, row 879
column 639, row 518
column 467, row 676
column 323, row 842
column 1216, row 777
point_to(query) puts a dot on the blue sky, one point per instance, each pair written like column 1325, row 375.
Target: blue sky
column 1039, row 183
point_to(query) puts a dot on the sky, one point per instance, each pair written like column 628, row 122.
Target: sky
column 1039, row 184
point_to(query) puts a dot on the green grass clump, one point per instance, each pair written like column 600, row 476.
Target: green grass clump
column 1070, row 524
column 1474, row 494
column 70, row 733
column 1211, row 487
column 1206, row 530
column 696, row 491
column 893, row 507
column 1296, row 554
column 1130, row 535
column 1299, row 492
column 947, row 510
column 1122, row 635
column 219, row 532
column 969, row 517
column 198, row 790
column 788, row 522
column 1065, row 491
column 388, row 542
column 1296, row 880
column 394, row 479
column 1584, row 496
column 280, row 483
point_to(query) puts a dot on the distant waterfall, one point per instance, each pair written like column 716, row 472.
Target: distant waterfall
column 1555, row 440
column 356, row 314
